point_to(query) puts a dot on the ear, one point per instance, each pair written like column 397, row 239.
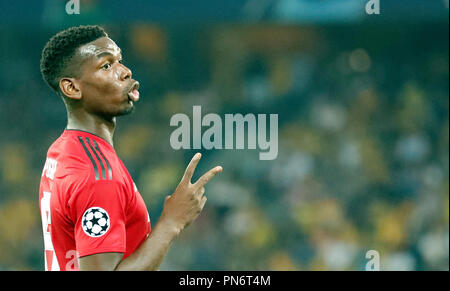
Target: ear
column 70, row 88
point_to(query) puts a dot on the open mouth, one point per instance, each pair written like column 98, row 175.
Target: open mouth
column 133, row 94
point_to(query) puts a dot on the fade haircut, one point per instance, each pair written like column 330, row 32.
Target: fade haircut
column 60, row 49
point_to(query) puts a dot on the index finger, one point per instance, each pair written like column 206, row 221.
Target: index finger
column 191, row 167
column 208, row 176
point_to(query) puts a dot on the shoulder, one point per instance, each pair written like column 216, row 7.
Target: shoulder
column 69, row 153
column 70, row 162
column 81, row 160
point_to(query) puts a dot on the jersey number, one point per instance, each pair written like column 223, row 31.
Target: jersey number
column 51, row 263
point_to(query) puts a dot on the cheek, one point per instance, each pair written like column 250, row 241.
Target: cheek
column 103, row 86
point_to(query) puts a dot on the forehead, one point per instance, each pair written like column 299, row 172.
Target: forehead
column 95, row 48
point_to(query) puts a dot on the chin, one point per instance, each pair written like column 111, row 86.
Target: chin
column 130, row 109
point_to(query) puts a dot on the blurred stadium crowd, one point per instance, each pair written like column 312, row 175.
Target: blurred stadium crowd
column 363, row 143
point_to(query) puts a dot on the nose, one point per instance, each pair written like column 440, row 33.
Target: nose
column 125, row 73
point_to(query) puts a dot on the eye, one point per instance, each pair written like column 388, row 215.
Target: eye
column 106, row 66
column 120, row 61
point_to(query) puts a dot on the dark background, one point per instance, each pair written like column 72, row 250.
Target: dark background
column 363, row 127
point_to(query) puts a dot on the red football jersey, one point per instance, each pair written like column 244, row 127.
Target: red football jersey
column 89, row 202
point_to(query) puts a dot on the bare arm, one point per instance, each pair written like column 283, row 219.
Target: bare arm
column 180, row 209
column 147, row 257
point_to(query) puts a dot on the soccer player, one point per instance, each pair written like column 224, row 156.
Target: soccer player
column 93, row 216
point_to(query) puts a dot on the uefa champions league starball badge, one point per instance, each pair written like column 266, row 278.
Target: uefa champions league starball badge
column 95, row 222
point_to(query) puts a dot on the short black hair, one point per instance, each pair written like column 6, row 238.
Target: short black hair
column 59, row 50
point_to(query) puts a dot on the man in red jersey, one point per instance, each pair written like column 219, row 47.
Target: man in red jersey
column 93, row 216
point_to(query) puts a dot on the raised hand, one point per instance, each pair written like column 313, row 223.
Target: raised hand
column 188, row 200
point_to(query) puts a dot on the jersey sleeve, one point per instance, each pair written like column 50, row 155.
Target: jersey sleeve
column 98, row 212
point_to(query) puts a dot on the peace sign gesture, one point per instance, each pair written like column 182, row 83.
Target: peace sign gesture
column 188, row 200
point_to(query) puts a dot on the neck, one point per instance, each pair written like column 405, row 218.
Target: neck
column 94, row 124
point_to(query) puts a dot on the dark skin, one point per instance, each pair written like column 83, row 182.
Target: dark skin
column 101, row 92
column 105, row 90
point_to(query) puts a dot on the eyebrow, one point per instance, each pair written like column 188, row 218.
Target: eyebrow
column 103, row 54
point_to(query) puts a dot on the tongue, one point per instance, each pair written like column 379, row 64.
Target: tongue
column 134, row 95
